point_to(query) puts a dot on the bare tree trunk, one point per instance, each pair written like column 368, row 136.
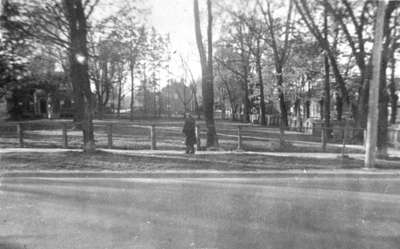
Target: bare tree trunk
column 100, row 107
column 145, row 93
column 339, row 107
column 327, row 92
column 132, row 90
column 260, row 82
column 207, row 74
column 234, row 111
column 113, row 99
column 78, row 55
column 393, row 96
column 282, row 104
column 119, row 98
column 245, row 83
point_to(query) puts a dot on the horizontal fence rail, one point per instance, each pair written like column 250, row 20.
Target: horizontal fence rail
column 169, row 136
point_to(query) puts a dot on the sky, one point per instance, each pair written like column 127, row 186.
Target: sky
column 176, row 18
column 173, row 17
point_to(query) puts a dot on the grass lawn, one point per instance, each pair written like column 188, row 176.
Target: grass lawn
column 102, row 160
column 136, row 135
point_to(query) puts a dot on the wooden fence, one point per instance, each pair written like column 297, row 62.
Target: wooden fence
column 237, row 135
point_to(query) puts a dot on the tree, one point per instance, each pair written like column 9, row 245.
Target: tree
column 327, row 88
column 120, row 79
column 305, row 13
column 235, row 57
column 256, row 33
column 358, row 48
column 183, row 93
column 392, row 49
column 133, row 33
column 106, row 55
column 207, row 73
column 239, row 40
column 64, row 24
column 14, row 46
column 392, row 86
column 193, row 86
column 136, row 43
column 79, row 69
column 231, row 85
column 280, row 48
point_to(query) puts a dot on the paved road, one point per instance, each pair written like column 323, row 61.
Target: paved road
column 184, row 211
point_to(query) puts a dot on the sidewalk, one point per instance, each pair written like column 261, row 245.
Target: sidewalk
column 173, row 153
column 346, row 173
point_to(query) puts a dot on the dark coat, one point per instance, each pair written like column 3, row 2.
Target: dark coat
column 189, row 131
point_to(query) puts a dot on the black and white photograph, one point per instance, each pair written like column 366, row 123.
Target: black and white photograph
column 199, row 124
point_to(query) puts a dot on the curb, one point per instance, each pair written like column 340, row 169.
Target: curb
column 368, row 173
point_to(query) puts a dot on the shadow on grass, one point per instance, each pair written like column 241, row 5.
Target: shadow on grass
column 107, row 160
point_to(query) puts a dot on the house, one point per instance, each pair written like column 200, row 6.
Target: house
column 45, row 99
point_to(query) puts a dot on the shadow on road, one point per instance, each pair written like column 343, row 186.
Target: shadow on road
column 7, row 245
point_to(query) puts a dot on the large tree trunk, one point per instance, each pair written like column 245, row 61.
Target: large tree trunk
column 393, row 96
column 245, row 81
column 282, row 104
column 234, row 110
column 119, row 98
column 207, row 74
column 327, row 88
column 246, row 102
column 327, row 95
column 261, row 83
column 339, row 107
column 78, row 56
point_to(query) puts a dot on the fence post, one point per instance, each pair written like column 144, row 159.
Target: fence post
column 198, row 141
column 20, row 133
column 153, row 137
column 110, row 136
column 239, row 141
column 323, row 138
column 65, row 135
column 364, row 136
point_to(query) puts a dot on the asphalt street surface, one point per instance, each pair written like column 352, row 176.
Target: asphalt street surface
column 58, row 211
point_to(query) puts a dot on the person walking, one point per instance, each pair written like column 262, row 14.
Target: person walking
column 190, row 133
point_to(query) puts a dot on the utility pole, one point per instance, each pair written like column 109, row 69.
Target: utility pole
column 372, row 122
